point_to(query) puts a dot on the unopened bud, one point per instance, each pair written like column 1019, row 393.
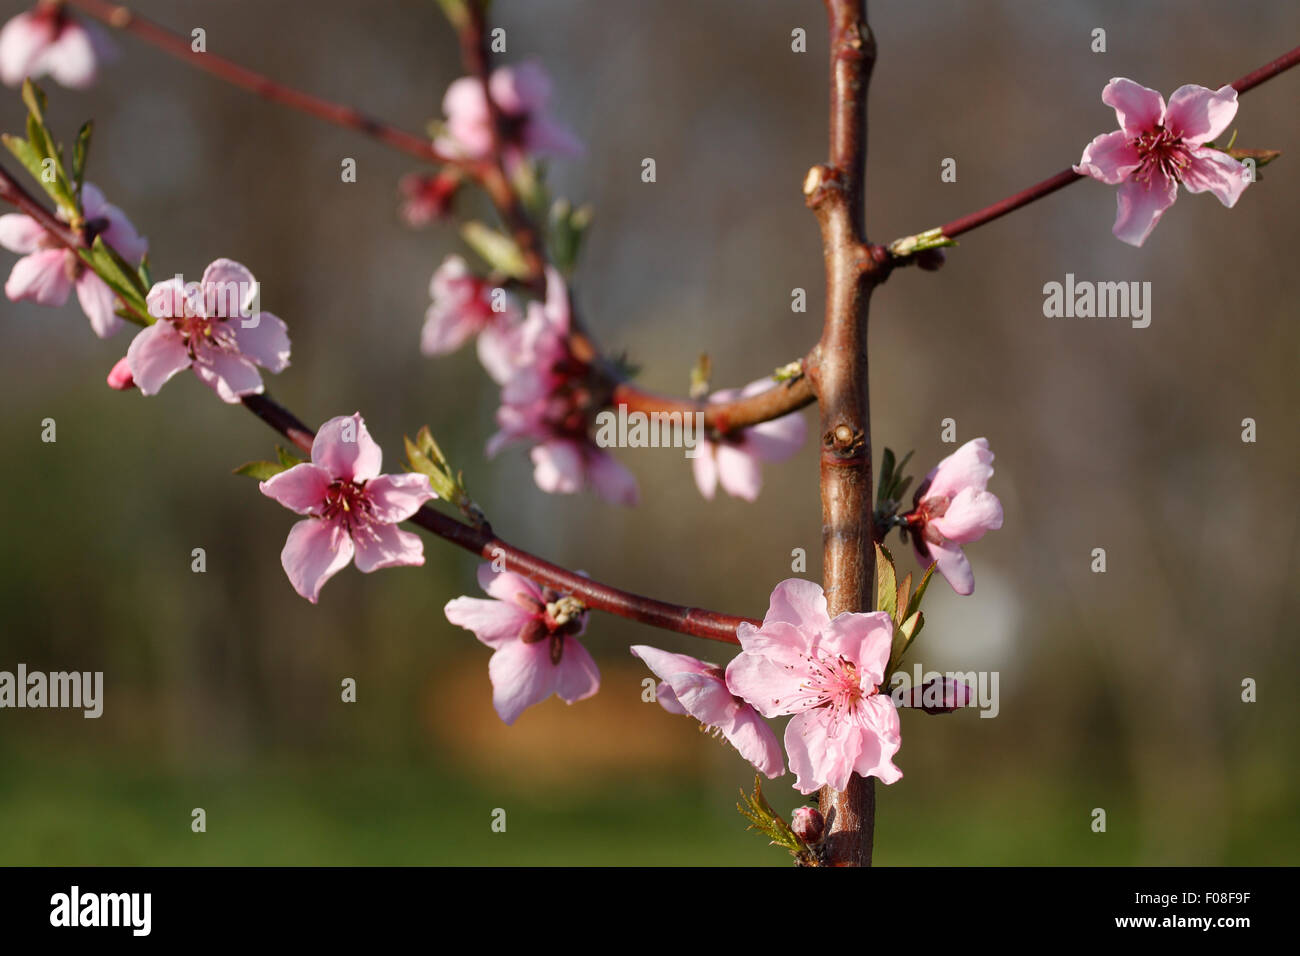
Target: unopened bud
column 120, row 376
column 808, row 824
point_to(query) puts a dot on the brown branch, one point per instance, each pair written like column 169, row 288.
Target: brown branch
column 835, row 192
column 122, row 18
column 11, row 191
column 1065, row 177
column 483, row 542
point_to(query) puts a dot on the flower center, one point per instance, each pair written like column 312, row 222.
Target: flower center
column 1159, row 149
column 348, row 503
column 834, row 683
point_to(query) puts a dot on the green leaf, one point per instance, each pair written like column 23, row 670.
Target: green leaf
column 904, row 592
column 260, row 470
column 914, row 604
column 768, row 822
column 498, row 250
column 118, row 275
column 287, row 459
column 886, row 476
column 34, row 98
column 904, row 634
column 79, row 152
column 26, row 154
column 886, row 583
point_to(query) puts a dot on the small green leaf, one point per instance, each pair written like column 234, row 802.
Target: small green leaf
column 904, row 592
column 886, row 583
column 117, row 275
column 287, row 459
column 260, row 470
column 79, row 152
column 26, row 154
column 914, row 604
column 886, row 476
column 498, row 250
column 34, row 98
column 768, row 822
column 904, row 634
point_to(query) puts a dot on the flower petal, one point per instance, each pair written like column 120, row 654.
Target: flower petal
column 953, row 565
column 395, row 498
column 19, row 233
column 970, row 466
column 99, row 304
column 264, row 338
column 1140, row 207
column 300, row 489
column 705, row 468
column 228, row 374
column 969, row 516
column 522, row 675
column 495, row 623
column 315, row 551
column 1198, row 114
column 229, row 290
column 879, row 737
column 41, row 277
column 578, row 676
column 558, row 467
column 155, row 355
column 816, row 759
column 1110, row 158
column 1138, row 108
column 863, row 638
column 770, row 687
column 386, row 546
column 1218, row 173
column 798, row 602
column 611, row 479
column 739, row 472
column 344, row 448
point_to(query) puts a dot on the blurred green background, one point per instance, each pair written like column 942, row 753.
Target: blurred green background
column 1118, row 690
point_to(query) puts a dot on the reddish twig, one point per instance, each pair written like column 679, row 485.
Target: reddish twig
column 122, row 18
column 1065, row 177
column 484, row 542
column 11, row 191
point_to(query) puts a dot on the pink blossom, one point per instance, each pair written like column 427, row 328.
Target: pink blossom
column 533, row 633
column 808, row 824
column 427, row 197
column 733, row 460
column 828, row 674
column 462, row 308
column 119, row 376
column 47, row 40
column 546, row 400
column 521, row 94
column 1158, row 147
column 690, row 686
column 353, row 510
column 48, row 271
column 953, row 507
column 209, row 326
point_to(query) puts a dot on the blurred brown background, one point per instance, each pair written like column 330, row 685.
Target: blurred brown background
column 1118, row 690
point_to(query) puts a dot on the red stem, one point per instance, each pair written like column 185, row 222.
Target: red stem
column 1067, row 176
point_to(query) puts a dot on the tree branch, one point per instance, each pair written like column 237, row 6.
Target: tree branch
column 835, row 192
column 906, row 246
column 481, row 541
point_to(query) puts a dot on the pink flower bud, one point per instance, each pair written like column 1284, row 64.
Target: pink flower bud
column 120, row 376
column 808, row 824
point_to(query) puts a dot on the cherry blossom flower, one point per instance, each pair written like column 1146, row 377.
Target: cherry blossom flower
column 828, row 674
column 352, row 510
column 462, row 308
column 546, row 400
column 533, row 633
column 46, row 40
column 48, row 271
column 733, row 460
column 690, row 686
column 521, row 94
column 1157, row 147
column 427, row 197
column 953, row 507
column 209, row 326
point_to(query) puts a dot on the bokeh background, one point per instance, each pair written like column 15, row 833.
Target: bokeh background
column 1119, row 690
